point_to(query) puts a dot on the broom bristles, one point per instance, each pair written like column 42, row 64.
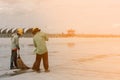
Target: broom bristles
column 21, row 64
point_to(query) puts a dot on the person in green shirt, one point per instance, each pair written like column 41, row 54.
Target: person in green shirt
column 39, row 40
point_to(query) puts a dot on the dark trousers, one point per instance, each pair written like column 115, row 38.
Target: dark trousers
column 13, row 61
column 36, row 65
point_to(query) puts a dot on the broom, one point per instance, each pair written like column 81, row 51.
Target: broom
column 20, row 63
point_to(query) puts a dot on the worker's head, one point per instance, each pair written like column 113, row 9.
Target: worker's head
column 20, row 31
column 35, row 30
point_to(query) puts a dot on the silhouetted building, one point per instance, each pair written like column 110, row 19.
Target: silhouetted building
column 71, row 32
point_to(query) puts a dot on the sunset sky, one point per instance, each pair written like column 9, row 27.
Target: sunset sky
column 56, row 16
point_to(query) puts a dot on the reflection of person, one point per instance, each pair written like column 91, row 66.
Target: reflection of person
column 15, row 47
column 41, row 50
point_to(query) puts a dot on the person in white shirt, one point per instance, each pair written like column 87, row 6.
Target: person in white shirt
column 15, row 47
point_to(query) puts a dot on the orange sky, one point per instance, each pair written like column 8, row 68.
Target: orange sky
column 54, row 16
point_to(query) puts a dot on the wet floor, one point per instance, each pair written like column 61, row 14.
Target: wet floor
column 87, row 58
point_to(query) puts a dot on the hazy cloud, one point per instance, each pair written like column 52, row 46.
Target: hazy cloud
column 82, row 15
column 10, row 1
column 17, row 7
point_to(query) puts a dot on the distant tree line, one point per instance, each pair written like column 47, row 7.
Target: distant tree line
column 7, row 32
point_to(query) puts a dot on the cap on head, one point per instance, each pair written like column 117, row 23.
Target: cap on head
column 20, row 31
column 35, row 30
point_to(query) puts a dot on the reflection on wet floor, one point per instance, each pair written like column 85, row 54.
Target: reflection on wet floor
column 74, row 59
column 71, row 44
column 93, row 58
column 96, row 57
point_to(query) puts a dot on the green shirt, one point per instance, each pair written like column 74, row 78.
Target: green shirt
column 39, row 41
